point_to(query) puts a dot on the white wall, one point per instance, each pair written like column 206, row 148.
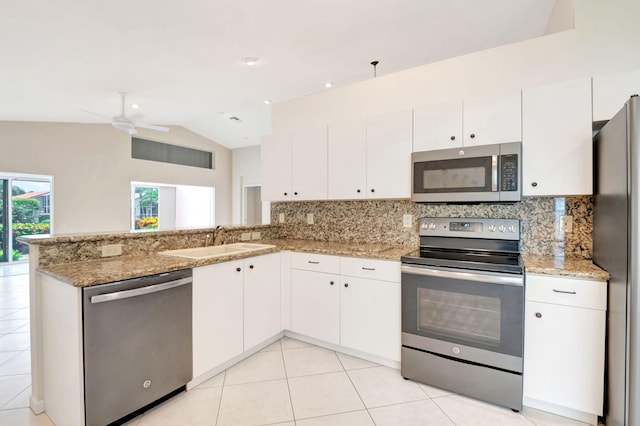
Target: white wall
column 193, row 207
column 92, row 170
column 247, row 170
column 605, row 40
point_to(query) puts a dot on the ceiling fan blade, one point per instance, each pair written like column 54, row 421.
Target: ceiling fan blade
column 152, row 127
column 95, row 113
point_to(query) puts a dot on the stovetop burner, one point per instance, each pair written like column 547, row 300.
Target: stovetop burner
column 477, row 244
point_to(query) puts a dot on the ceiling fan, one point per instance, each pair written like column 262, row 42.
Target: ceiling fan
column 124, row 123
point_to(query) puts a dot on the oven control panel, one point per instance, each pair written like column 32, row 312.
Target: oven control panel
column 503, row 229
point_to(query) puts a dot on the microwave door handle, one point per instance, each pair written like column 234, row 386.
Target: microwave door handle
column 494, row 173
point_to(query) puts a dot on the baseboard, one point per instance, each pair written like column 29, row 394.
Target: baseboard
column 36, row 405
column 581, row 416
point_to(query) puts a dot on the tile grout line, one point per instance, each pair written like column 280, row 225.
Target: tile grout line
column 286, row 376
column 356, row 389
column 224, row 379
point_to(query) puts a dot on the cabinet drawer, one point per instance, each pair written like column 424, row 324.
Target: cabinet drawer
column 384, row 270
column 567, row 291
column 315, row 262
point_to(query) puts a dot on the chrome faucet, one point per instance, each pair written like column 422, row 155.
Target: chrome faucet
column 217, row 233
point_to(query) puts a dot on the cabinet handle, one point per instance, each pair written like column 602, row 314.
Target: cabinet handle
column 238, row 269
column 534, row 184
column 368, row 269
column 331, row 282
column 472, row 135
column 250, row 266
column 453, row 138
column 373, row 190
column 313, row 262
column 285, row 194
column 295, row 193
column 538, row 315
column 564, row 292
column 346, row 284
column 358, row 191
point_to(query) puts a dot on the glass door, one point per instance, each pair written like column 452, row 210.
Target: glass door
column 25, row 209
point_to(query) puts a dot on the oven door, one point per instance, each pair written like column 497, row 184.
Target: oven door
column 471, row 315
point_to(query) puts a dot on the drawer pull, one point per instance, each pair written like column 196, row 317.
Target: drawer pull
column 313, row 262
column 368, row 269
column 538, row 315
column 564, row 292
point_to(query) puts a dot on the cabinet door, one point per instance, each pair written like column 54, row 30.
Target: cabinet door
column 493, row 119
column 611, row 91
column 564, row 356
column 347, row 169
column 556, row 139
column 370, row 316
column 315, row 305
column 261, row 299
column 437, row 126
column 389, row 155
column 276, row 167
column 217, row 315
column 309, row 164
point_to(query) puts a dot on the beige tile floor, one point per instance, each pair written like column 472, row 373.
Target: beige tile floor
column 288, row 383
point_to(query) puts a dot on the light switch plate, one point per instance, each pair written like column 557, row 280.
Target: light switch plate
column 281, row 218
column 246, row 236
column 111, row 250
column 255, row 235
column 310, row 218
column 407, row 220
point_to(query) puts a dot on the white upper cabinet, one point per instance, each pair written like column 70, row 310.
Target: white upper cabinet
column 493, row 119
column 556, row 139
column 389, row 155
column 309, row 164
column 611, row 91
column 276, row 167
column 438, row 126
column 483, row 120
column 347, row 165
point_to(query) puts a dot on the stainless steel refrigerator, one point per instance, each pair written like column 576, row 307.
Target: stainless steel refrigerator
column 615, row 249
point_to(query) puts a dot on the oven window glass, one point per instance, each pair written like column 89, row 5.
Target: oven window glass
column 466, row 316
column 467, row 177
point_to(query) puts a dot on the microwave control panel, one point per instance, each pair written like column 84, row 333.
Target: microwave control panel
column 509, row 172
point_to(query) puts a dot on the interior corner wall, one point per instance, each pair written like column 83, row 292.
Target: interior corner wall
column 604, row 41
column 92, row 170
column 247, row 170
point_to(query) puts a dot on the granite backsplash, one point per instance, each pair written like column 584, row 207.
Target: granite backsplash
column 381, row 221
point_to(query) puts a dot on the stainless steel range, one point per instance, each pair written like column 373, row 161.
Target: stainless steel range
column 463, row 309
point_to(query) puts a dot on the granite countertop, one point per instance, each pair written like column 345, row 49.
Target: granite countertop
column 564, row 266
column 93, row 272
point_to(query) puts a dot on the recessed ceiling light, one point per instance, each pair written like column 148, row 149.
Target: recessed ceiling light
column 328, row 85
column 250, row 60
column 267, row 101
column 135, row 106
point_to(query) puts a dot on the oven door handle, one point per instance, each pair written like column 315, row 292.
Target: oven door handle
column 465, row 276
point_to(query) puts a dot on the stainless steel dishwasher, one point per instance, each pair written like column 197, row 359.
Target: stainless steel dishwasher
column 137, row 343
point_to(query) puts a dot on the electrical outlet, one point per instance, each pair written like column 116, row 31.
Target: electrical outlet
column 567, row 224
column 310, row 218
column 281, row 218
column 246, row 236
column 407, row 220
column 255, row 235
column 111, row 250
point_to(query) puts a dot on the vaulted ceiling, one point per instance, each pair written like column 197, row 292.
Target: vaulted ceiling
column 181, row 61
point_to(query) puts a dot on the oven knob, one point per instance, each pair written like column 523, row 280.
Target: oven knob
column 456, row 350
column 424, row 225
column 492, row 228
column 432, row 226
column 512, row 228
column 502, row 228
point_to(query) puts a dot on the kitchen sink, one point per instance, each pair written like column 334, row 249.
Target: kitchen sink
column 216, row 251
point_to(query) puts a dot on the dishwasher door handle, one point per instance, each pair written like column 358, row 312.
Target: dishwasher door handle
column 125, row 294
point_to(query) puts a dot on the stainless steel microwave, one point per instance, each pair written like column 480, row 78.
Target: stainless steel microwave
column 486, row 173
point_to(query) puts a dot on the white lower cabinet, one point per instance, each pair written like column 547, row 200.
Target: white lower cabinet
column 236, row 305
column 351, row 302
column 315, row 305
column 564, row 349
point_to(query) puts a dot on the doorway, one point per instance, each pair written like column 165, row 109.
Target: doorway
column 25, row 209
column 254, row 210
